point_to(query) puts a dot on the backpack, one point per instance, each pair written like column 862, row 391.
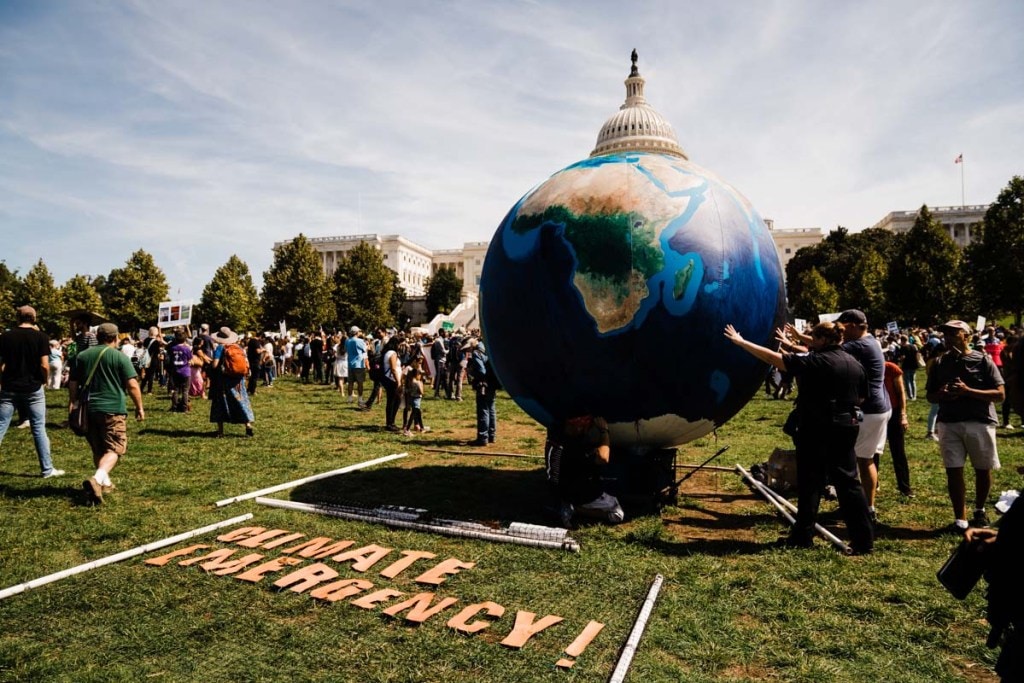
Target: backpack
column 234, row 362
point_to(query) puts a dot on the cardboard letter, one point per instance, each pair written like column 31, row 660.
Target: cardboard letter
column 364, row 557
column 339, row 590
column 307, row 577
column 527, row 628
column 281, row 541
column 318, row 547
column 399, row 566
column 577, row 646
column 370, row 601
column 436, row 575
column 419, row 607
column 257, row 573
column 460, row 622
column 217, row 562
column 255, row 541
column 241, row 532
column 164, row 559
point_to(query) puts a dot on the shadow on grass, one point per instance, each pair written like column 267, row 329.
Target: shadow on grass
column 467, row 492
column 70, row 491
column 177, row 433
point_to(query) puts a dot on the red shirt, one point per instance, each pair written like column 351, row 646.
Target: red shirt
column 892, row 375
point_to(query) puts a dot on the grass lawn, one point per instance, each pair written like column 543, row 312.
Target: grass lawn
column 731, row 609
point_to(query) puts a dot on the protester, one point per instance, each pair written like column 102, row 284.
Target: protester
column 390, row 380
column 576, row 453
column 24, row 371
column 56, row 360
column 895, row 431
column 113, row 376
column 833, row 384
column 229, row 401
column 180, row 359
column 355, row 351
column 966, row 385
column 485, row 385
column 413, row 395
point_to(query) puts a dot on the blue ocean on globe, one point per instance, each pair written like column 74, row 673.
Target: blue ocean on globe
column 605, row 291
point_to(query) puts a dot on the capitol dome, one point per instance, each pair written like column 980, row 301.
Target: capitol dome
column 636, row 127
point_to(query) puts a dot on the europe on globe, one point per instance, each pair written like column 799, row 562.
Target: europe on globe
column 606, row 288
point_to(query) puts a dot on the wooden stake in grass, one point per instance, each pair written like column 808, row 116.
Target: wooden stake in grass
column 299, row 482
column 111, row 559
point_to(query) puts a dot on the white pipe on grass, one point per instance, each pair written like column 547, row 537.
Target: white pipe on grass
column 111, row 559
column 629, row 649
column 443, row 529
column 298, row 482
column 776, row 499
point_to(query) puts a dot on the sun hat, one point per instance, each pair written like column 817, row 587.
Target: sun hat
column 107, row 331
column 224, row 336
column 955, row 325
column 84, row 314
column 353, row 330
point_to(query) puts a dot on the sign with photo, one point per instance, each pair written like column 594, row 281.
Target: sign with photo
column 174, row 313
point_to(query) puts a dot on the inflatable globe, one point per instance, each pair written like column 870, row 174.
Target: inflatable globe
column 605, row 291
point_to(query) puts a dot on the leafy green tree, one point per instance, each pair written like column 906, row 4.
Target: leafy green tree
column 39, row 291
column 816, row 296
column 923, row 286
column 131, row 295
column 10, row 292
column 996, row 257
column 865, row 288
column 230, row 298
column 444, row 290
column 364, row 289
column 295, row 289
column 397, row 302
column 78, row 292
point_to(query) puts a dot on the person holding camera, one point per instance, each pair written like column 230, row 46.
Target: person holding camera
column 1001, row 553
column 833, row 385
column 966, row 385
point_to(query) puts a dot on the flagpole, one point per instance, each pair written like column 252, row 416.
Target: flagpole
column 963, row 195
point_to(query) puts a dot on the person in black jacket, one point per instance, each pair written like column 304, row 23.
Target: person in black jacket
column 832, row 386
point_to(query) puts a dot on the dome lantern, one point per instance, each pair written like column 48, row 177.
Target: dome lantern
column 636, row 127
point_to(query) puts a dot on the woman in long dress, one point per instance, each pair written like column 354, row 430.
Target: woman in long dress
column 228, row 400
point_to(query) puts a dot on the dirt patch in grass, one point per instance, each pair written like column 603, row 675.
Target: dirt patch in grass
column 711, row 507
column 974, row 672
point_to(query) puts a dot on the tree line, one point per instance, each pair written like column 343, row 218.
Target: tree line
column 918, row 277
column 363, row 291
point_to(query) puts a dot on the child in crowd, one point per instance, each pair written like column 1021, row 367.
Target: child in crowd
column 414, row 403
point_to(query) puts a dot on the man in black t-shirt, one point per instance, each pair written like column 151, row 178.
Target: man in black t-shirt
column 25, row 359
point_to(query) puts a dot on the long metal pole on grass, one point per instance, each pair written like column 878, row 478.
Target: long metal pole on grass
column 111, row 559
column 629, row 649
column 777, row 500
column 299, row 482
column 448, row 529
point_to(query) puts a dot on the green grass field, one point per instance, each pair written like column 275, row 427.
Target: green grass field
column 731, row 609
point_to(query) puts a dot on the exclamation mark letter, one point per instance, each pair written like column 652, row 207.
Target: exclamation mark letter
column 577, row 646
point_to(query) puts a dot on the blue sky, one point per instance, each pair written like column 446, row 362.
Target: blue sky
column 197, row 130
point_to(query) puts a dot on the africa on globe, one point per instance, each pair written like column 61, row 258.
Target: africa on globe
column 605, row 289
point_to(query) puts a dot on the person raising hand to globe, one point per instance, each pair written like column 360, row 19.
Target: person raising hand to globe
column 832, row 386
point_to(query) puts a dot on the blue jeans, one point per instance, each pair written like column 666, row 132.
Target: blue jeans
column 486, row 415
column 32, row 404
column 933, row 415
column 910, row 384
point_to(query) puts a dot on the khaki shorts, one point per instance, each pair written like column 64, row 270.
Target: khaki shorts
column 871, row 437
column 958, row 440
column 107, row 434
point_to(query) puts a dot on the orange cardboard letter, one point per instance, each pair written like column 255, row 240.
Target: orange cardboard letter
column 339, row 590
column 460, row 622
column 419, row 607
column 307, row 577
column 527, row 628
column 164, row 559
column 373, row 599
column 399, row 566
column 257, row 573
column 436, row 575
column 364, row 557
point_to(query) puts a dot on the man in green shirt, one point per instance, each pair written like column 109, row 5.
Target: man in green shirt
column 113, row 376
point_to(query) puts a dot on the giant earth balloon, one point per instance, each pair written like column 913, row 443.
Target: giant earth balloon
column 605, row 291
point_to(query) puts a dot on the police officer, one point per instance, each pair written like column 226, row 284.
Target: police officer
column 832, row 386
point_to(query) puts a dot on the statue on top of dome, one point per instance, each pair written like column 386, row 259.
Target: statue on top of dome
column 634, row 71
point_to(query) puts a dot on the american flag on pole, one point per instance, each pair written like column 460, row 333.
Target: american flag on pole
column 959, row 159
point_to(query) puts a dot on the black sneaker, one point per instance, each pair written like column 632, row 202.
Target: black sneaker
column 93, row 491
column 980, row 519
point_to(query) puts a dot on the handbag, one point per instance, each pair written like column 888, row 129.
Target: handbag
column 78, row 420
column 962, row 570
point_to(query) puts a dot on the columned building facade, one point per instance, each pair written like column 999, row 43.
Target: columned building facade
column 961, row 222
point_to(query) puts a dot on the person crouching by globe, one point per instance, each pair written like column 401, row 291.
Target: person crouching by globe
column 576, row 452
column 832, row 386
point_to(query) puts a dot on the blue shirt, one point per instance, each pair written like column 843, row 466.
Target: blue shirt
column 868, row 352
column 355, row 347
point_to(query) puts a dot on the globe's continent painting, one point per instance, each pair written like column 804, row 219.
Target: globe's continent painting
column 605, row 291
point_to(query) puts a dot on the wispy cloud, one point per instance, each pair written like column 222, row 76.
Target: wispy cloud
column 196, row 131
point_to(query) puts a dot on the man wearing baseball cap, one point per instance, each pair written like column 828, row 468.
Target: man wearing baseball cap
column 966, row 385
column 25, row 362
column 863, row 346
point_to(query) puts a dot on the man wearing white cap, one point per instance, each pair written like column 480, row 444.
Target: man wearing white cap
column 966, row 385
